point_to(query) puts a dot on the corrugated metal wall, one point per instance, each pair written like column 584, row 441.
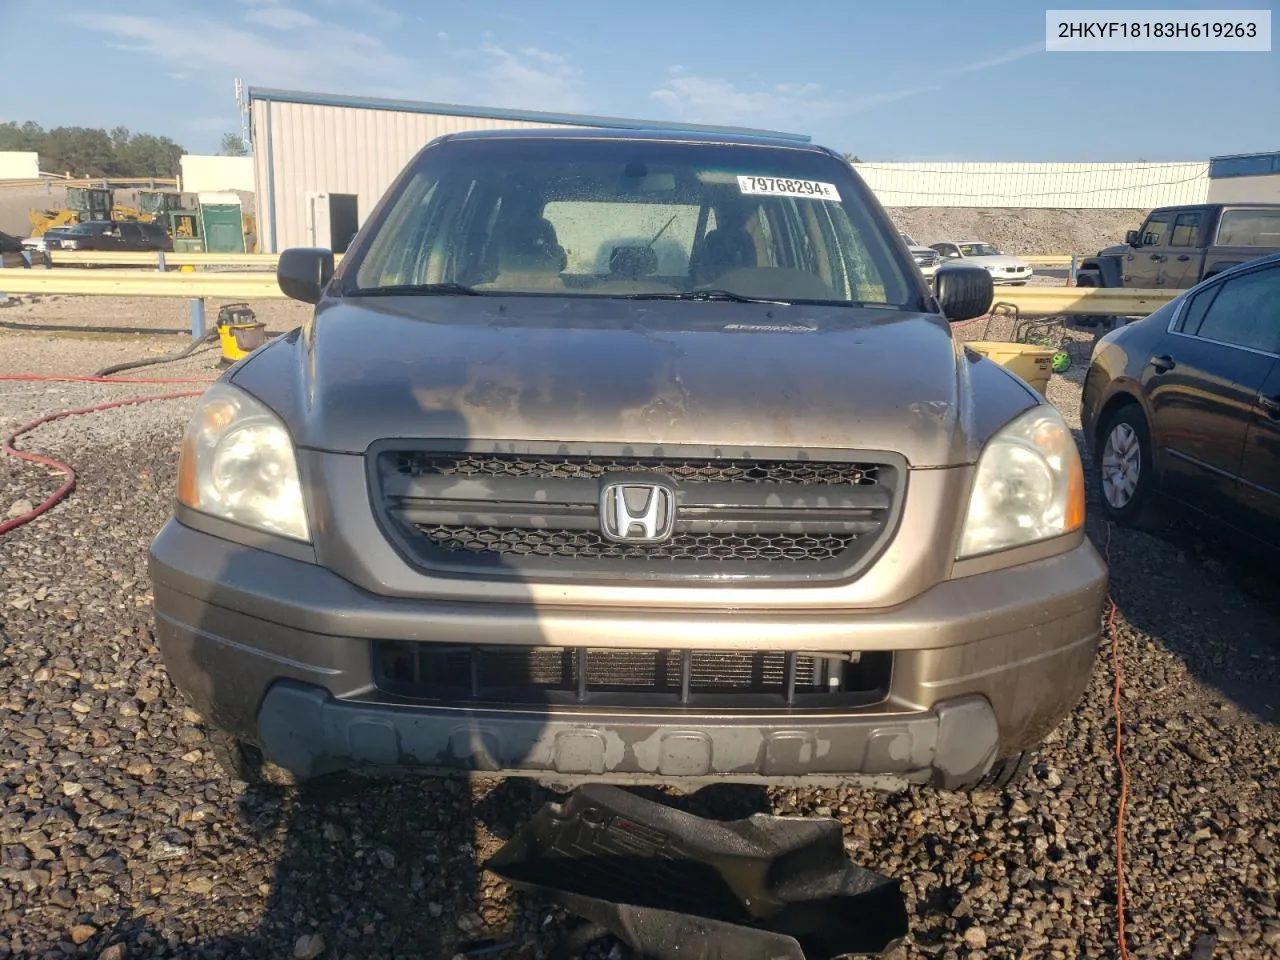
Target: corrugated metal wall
column 1264, row 189
column 303, row 149
column 1063, row 185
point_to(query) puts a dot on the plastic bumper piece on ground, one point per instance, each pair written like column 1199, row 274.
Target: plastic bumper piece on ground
column 674, row 886
column 309, row 733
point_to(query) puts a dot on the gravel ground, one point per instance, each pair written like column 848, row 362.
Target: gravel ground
column 120, row 838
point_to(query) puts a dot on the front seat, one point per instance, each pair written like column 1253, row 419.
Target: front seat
column 722, row 250
column 529, row 255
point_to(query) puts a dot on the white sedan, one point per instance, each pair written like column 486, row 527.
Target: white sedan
column 1003, row 268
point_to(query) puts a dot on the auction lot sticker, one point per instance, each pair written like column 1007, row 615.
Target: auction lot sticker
column 783, row 187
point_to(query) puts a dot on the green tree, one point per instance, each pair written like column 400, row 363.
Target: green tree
column 80, row 151
column 89, row 152
column 233, row 145
column 150, row 156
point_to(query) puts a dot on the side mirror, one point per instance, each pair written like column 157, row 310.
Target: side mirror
column 963, row 292
column 304, row 272
column 1133, row 238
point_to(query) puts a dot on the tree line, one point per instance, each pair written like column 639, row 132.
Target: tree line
column 89, row 152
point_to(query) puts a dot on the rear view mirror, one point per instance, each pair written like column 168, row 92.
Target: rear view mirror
column 964, row 292
column 304, row 272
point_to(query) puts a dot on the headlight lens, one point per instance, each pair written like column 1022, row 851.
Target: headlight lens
column 1029, row 485
column 238, row 463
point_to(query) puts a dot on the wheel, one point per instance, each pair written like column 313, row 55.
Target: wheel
column 1123, row 465
column 1006, row 772
column 1088, row 320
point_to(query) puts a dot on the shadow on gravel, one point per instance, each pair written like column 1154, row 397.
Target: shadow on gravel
column 374, row 869
column 1217, row 611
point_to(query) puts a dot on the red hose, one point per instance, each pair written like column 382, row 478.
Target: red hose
column 70, row 482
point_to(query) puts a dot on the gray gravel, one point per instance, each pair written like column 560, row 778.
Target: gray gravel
column 120, row 838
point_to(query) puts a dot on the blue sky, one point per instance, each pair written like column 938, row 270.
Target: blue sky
column 921, row 80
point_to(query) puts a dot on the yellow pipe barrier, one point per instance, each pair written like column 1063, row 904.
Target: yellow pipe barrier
column 141, row 283
column 1076, row 301
column 1030, row 301
column 149, row 259
column 146, row 258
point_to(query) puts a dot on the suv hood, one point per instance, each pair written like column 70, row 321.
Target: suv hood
column 649, row 373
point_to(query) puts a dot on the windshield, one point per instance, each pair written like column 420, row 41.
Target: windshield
column 87, row 229
column 906, row 238
column 621, row 218
column 979, row 250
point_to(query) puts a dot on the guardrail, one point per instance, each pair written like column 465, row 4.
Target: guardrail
column 142, row 283
column 197, row 286
column 123, row 182
column 127, row 257
column 161, row 259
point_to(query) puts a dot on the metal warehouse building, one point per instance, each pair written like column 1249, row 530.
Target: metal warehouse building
column 321, row 163
column 1245, row 178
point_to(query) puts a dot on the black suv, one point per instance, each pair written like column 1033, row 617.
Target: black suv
column 114, row 235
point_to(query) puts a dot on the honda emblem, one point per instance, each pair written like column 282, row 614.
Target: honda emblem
column 633, row 512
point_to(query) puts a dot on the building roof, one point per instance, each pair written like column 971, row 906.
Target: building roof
column 494, row 113
column 687, row 135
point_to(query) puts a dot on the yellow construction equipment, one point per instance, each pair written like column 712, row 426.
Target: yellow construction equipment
column 83, row 203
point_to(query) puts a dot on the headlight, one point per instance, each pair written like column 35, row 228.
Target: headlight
column 1029, row 485
column 70, row 244
column 238, row 463
column 992, row 269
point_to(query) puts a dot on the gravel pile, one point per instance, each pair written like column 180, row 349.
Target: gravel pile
column 1026, row 232
column 119, row 838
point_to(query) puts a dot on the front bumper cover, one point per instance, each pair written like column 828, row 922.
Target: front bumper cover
column 309, row 733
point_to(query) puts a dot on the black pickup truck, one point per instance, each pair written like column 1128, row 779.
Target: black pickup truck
column 1177, row 247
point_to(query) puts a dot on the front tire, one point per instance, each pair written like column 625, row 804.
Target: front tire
column 1089, row 320
column 1124, row 467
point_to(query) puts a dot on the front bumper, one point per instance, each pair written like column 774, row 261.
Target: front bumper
column 277, row 652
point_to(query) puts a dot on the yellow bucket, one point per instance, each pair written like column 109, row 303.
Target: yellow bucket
column 1027, row 360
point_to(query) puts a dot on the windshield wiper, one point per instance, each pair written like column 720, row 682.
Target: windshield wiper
column 419, row 289
column 705, row 295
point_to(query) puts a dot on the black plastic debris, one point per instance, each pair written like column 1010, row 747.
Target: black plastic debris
column 673, row 886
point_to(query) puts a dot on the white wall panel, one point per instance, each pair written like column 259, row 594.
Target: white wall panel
column 19, row 165
column 1062, row 185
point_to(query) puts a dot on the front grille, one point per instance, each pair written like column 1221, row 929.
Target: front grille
column 589, row 545
column 538, row 515
column 606, row 676
column 680, row 469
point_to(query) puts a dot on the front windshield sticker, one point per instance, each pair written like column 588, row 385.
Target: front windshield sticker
column 781, row 187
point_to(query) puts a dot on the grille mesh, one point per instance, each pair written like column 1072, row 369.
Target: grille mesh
column 589, row 545
column 681, row 470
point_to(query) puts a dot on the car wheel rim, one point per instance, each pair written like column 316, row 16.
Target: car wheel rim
column 1121, row 466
